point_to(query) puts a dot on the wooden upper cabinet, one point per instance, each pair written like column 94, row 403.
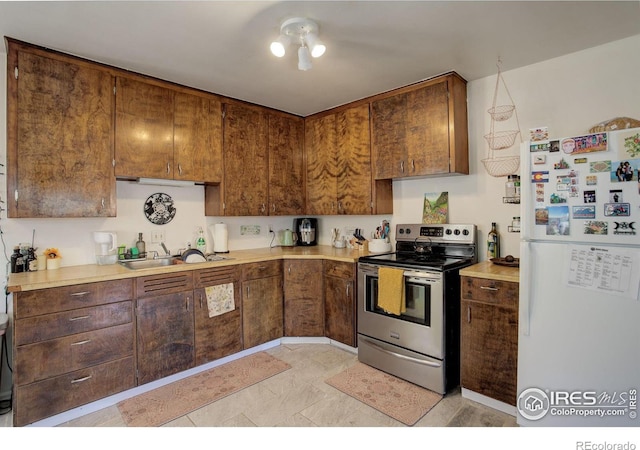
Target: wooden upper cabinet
column 421, row 130
column 354, row 161
column 144, row 129
column 59, row 136
column 197, row 142
column 286, row 165
column 166, row 133
column 322, row 171
column 245, row 160
column 338, row 153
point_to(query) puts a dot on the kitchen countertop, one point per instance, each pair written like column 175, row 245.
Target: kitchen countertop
column 489, row 270
column 90, row 273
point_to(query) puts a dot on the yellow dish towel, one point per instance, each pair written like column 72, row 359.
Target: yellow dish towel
column 220, row 299
column 391, row 290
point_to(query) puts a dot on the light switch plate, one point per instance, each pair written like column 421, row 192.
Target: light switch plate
column 157, row 236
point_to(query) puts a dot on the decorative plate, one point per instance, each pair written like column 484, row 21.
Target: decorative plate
column 159, row 209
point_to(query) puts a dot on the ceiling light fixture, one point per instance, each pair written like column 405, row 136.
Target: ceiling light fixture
column 304, row 32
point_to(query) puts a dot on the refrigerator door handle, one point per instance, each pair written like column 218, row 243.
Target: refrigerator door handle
column 525, row 288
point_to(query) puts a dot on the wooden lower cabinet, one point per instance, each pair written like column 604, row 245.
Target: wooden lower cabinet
column 489, row 337
column 72, row 345
column 303, row 298
column 220, row 335
column 340, row 301
column 165, row 325
column 262, row 304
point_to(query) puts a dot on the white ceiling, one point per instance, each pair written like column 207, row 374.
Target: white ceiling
column 372, row 47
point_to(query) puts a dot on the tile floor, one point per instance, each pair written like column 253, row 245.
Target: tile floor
column 299, row 397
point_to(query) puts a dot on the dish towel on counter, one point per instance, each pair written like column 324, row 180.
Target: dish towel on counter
column 220, row 299
column 391, row 295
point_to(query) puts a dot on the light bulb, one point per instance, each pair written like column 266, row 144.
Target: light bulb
column 316, row 46
column 278, row 47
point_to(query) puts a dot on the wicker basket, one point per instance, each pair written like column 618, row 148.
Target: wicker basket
column 501, row 113
column 502, row 166
column 499, row 140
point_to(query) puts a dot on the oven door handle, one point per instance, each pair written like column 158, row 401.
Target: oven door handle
column 398, row 355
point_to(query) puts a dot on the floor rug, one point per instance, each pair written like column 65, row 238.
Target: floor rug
column 399, row 399
column 166, row 403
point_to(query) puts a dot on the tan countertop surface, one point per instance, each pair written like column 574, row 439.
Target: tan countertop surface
column 487, row 269
column 90, row 273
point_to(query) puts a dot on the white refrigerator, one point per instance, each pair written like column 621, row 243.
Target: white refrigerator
column 579, row 310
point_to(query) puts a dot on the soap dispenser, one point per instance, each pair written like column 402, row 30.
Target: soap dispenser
column 200, row 242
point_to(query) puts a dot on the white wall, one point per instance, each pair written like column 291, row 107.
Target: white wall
column 568, row 95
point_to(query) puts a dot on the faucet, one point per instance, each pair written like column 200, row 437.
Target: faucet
column 164, row 247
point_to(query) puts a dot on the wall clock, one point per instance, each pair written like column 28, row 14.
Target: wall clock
column 159, row 208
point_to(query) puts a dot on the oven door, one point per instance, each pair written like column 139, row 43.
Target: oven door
column 420, row 327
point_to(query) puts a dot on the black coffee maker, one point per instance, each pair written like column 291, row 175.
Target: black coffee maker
column 306, row 231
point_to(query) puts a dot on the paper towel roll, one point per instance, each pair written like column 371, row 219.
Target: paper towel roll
column 220, row 238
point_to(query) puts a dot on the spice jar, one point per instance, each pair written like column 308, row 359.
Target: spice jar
column 512, row 186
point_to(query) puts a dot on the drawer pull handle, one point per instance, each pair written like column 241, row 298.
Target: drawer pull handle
column 80, row 294
column 489, row 288
column 86, row 341
column 78, row 318
column 80, row 380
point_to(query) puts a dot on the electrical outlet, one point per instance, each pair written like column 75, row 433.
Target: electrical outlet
column 270, row 228
column 157, row 236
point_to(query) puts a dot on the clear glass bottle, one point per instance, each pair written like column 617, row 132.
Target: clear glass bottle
column 493, row 242
column 141, row 247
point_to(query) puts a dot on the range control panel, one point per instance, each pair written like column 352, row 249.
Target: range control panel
column 446, row 232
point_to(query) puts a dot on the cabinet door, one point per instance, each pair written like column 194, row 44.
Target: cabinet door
column 286, row 166
column 164, row 335
column 144, row 130
column 340, row 309
column 245, row 161
column 217, row 336
column 303, row 299
column 197, row 138
column 389, row 136
column 59, row 138
column 322, row 169
column 262, row 311
column 354, row 161
column 489, row 350
column 427, row 130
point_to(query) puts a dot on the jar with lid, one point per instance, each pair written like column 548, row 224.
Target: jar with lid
column 512, row 187
column 515, row 223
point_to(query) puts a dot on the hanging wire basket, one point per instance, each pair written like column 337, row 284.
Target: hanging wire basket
column 501, row 113
column 502, row 166
column 499, row 140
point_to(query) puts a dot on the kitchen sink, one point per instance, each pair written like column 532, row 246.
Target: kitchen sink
column 136, row 264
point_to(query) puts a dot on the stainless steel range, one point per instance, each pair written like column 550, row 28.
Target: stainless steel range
column 421, row 344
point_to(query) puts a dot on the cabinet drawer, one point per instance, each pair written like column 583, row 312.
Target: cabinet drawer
column 339, row 269
column 46, row 301
column 167, row 283
column 57, row 356
column 51, row 326
column 262, row 270
column 46, row 398
column 503, row 293
column 215, row 276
